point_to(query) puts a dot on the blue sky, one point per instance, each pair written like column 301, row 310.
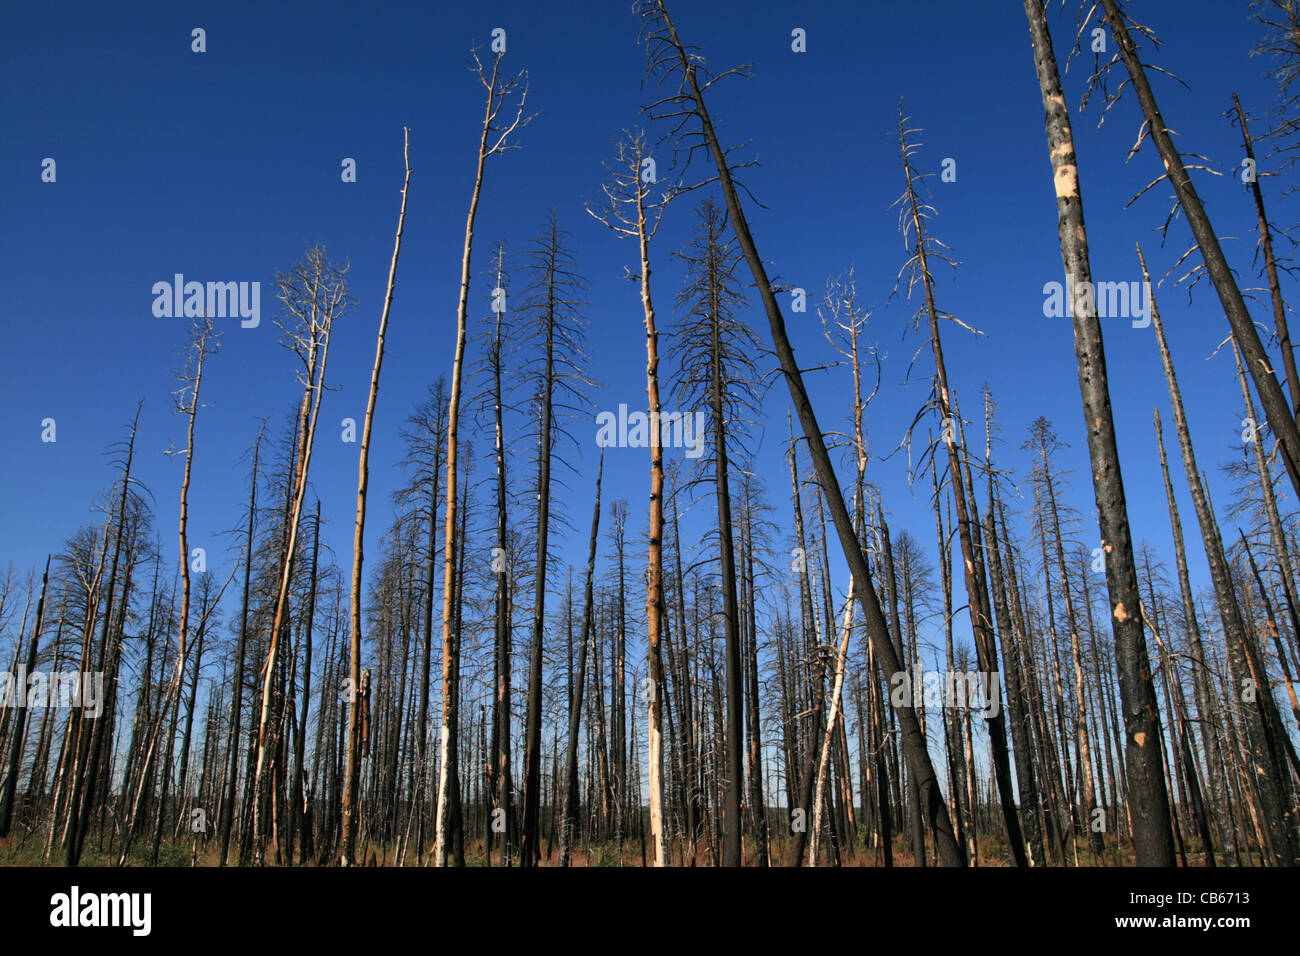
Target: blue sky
column 225, row 165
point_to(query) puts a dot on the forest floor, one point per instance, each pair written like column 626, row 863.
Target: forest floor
column 28, row 850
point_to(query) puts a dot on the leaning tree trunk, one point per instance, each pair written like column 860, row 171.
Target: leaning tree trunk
column 297, row 813
column 83, row 793
column 352, row 773
column 981, row 618
column 10, row 785
column 1280, row 416
column 1269, row 773
column 832, row 721
column 913, row 739
column 1270, row 266
column 1206, row 706
column 1148, row 799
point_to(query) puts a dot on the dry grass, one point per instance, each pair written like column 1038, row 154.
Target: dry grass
column 27, row 849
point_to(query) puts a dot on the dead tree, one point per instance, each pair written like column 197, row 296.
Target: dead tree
column 633, row 210
column 226, row 816
column 424, row 442
column 715, row 349
column 1012, row 641
column 93, row 741
column 1280, row 415
column 10, row 785
column 569, row 826
column 315, row 295
column 499, row 776
column 1271, row 266
column 913, row 219
column 551, row 302
column 352, row 772
column 1148, row 800
column 298, row 819
column 1268, row 768
column 1047, row 483
column 669, row 62
column 449, row 845
column 203, row 344
column 843, row 322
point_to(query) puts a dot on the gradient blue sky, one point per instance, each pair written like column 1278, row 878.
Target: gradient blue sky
column 224, row 165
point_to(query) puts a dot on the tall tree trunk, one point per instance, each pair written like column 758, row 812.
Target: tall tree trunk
column 1280, row 416
column 1270, row 266
column 84, row 787
column 1021, row 728
column 654, row 601
column 569, row 832
column 297, row 816
column 1268, row 772
column 448, row 805
column 1148, row 800
column 692, row 98
column 351, row 782
column 227, row 817
column 16, row 739
column 530, row 838
column 499, row 769
column 981, row 617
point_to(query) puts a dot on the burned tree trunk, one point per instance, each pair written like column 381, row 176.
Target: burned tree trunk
column 10, row 785
column 352, row 772
column 1269, row 773
column 1148, row 799
column 1280, row 415
column 449, row 846
column 569, row 831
